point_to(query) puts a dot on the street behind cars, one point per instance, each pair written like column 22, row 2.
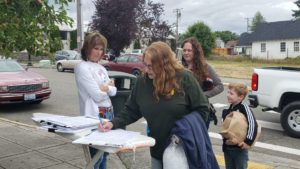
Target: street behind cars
column 19, row 85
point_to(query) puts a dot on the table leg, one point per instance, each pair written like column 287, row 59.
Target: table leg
column 91, row 161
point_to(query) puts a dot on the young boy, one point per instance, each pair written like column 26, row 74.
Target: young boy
column 236, row 154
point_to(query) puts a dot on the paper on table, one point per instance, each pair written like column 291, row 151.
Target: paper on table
column 67, row 121
column 113, row 138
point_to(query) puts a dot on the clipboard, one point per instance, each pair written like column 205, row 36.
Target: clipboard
column 116, row 140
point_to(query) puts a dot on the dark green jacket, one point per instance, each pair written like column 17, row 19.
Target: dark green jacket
column 162, row 115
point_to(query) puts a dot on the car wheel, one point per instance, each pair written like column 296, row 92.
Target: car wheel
column 60, row 68
column 290, row 119
column 136, row 72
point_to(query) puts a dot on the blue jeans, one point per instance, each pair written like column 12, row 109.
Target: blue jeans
column 101, row 163
column 236, row 158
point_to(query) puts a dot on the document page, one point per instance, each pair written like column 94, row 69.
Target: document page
column 67, row 121
column 114, row 138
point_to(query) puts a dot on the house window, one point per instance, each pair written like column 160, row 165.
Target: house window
column 263, row 47
column 282, row 47
column 296, row 46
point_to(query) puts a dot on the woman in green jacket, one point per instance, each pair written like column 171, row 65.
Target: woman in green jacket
column 164, row 94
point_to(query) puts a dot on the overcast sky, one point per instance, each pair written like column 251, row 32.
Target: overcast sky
column 219, row 15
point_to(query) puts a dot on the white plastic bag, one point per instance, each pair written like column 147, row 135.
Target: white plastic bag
column 174, row 156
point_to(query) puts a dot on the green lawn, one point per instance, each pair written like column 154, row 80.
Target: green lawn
column 242, row 67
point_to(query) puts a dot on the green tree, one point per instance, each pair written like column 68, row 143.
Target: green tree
column 226, row 35
column 115, row 19
column 296, row 13
column 257, row 19
column 122, row 22
column 204, row 35
column 31, row 25
column 150, row 25
column 137, row 44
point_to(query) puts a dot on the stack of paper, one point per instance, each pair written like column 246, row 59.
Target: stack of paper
column 65, row 124
column 118, row 139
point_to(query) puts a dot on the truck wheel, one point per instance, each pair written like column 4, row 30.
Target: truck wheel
column 290, row 119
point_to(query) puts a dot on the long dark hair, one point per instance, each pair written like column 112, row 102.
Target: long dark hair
column 199, row 63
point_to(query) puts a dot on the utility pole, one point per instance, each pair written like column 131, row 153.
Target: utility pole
column 178, row 15
column 248, row 26
column 79, row 26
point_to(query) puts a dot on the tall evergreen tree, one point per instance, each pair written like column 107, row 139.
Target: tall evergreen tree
column 296, row 13
column 257, row 19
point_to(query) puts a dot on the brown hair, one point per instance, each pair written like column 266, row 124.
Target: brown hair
column 165, row 66
column 90, row 41
column 199, row 63
column 240, row 88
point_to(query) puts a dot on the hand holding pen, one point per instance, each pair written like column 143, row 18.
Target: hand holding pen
column 105, row 126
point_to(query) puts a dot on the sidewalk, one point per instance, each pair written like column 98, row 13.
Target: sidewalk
column 26, row 147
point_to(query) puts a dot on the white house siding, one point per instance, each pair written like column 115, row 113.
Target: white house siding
column 273, row 49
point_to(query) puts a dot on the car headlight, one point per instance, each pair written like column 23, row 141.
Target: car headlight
column 45, row 85
column 3, row 89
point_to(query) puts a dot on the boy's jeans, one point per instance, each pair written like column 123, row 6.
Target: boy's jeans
column 236, row 158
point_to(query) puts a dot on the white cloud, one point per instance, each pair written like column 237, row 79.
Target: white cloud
column 219, row 15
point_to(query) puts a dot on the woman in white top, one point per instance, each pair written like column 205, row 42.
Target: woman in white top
column 94, row 85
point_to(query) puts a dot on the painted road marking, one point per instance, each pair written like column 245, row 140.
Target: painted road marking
column 260, row 144
column 265, row 145
column 270, row 125
column 251, row 164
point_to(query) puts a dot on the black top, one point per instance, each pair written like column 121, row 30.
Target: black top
column 252, row 124
column 161, row 115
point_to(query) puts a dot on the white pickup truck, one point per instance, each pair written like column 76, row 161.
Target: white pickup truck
column 278, row 89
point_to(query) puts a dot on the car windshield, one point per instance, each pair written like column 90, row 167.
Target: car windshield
column 10, row 66
column 74, row 55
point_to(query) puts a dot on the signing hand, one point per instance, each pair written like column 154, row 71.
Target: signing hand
column 105, row 126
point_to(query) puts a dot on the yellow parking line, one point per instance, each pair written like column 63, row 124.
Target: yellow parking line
column 251, row 165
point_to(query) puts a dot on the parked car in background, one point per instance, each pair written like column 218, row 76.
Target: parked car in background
column 129, row 63
column 136, row 51
column 66, row 54
column 67, row 64
column 19, row 85
column 62, row 65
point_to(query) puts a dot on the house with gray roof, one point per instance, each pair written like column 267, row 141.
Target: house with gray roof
column 273, row 40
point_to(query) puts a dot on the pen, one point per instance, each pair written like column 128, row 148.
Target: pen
column 101, row 123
